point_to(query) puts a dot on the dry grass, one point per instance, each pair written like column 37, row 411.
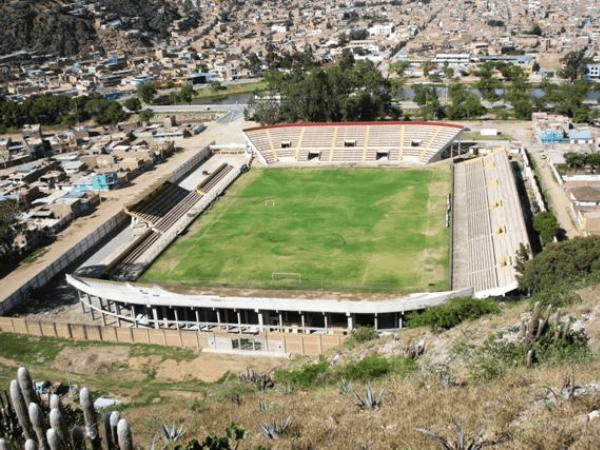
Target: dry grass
column 514, row 411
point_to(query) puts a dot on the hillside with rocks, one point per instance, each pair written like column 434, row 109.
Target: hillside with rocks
column 66, row 30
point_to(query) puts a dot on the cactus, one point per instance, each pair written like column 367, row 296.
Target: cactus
column 124, row 435
column 29, row 421
column 55, row 403
column 26, row 386
column 111, row 420
column 53, row 440
column 78, row 438
column 58, row 424
column 21, row 411
column 37, row 421
column 89, row 416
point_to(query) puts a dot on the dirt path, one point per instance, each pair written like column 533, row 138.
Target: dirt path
column 206, row 367
column 556, row 196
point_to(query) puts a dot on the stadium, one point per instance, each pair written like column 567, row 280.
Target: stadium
column 379, row 213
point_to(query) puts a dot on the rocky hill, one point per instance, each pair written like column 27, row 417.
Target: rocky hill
column 53, row 28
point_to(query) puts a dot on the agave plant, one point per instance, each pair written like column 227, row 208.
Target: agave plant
column 476, row 443
column 370, row 400
column 345, row 387
column 171, row 434
column 277, row 429
column 266, row 405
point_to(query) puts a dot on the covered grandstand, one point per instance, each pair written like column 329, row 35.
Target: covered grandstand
column 488, row 225
column 393, row 142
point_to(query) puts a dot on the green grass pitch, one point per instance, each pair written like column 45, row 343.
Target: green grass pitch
column 340, row 229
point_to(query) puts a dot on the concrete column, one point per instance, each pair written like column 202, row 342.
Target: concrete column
column 218, row 319
column 350, row 321
column 133, row 315
column 176, row 319
column 155, row 316
column 280, row 322
column 118, row 312
column 400, row 317
column 261, row 321
column 90, row 298
column 102, row 311
column 81, row 303
column 376, row 323
column 325, row 320
column 239, row 320
column 302, row 322
column 197, row 314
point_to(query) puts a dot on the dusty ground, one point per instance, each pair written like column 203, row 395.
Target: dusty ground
column 206, row 367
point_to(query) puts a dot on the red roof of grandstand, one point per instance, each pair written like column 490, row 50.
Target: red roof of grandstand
column 346, row 124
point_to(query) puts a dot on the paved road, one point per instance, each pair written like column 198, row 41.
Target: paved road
column 168, row 109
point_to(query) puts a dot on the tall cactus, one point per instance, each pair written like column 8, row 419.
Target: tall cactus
column 55, row 402
column 54, row 441
column 111, row 421
column 26, row 386
column 30, row 444
column 59, row 425
column 78, row 438
column 124, row 435
column 37, row 421
column 16, row 398
column 30, row 420
column 89, row 416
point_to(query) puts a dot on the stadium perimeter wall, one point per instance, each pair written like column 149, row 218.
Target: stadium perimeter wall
column 268, row 343
column 10, row 299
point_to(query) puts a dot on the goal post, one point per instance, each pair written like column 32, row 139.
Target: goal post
column 270, row 202
column 286, row 276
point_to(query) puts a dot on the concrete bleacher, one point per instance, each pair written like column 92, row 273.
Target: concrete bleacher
column 488, row 225
column 162, row 210
column 417, row 142
column 214, row 178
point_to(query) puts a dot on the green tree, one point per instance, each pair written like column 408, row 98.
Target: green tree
column 132, row 104
column 186, row 94
column 562, row 264
column 546, row 225
column 573, row 65
column 146, row 115
column 147, row 91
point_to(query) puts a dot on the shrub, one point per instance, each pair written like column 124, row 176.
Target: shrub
column 374, row 366
column 361, row 335
column 452, row 313
column 563, row 265
column 304, row 377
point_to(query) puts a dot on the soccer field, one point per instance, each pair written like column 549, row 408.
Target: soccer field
column 336, row 229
